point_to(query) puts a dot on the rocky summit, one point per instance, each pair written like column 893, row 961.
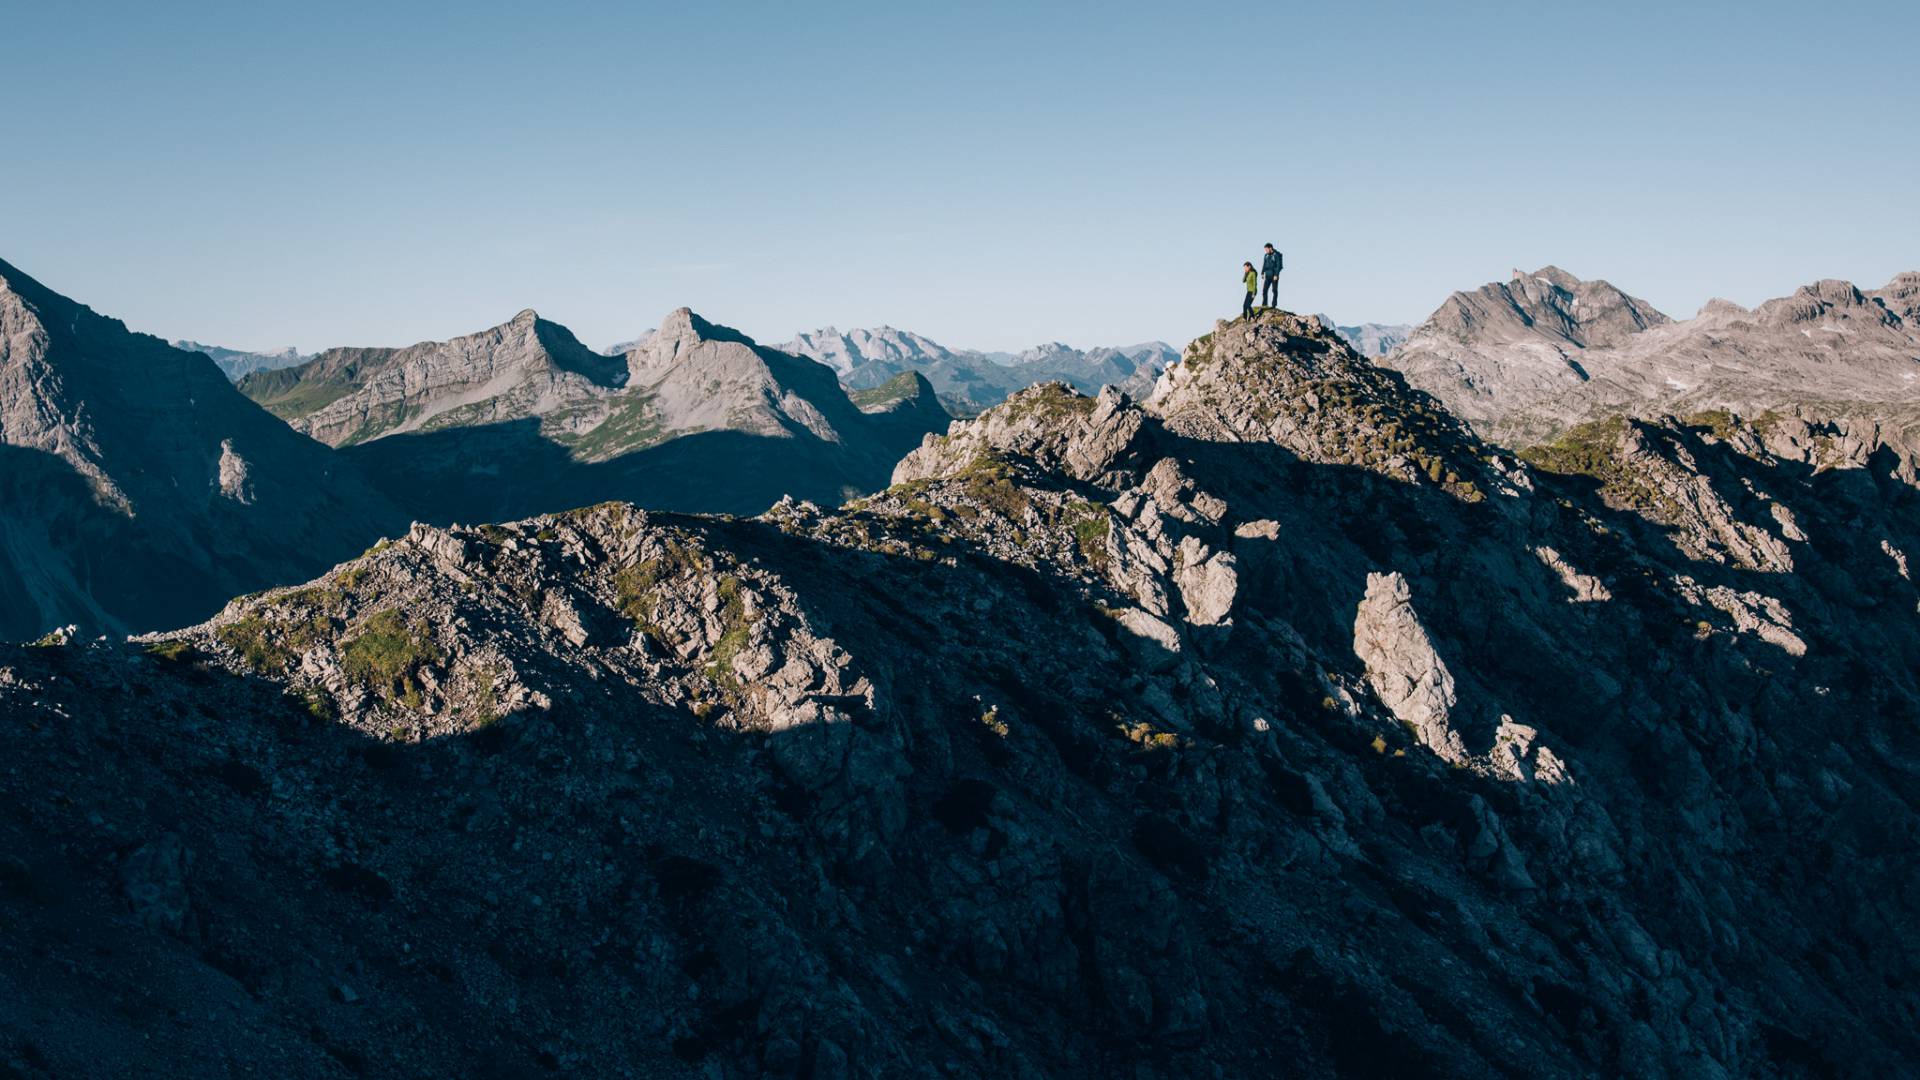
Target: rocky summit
column 1274, row 724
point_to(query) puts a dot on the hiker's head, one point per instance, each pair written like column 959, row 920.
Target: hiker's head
column 1247, row 265
column 1269, row 247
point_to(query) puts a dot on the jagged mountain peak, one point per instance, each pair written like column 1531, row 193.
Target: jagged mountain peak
column 684, row 334
column 1902, row 296
column 867, row 356
column 1549, row 304
column 1293, row 381
column 1818, row 300
column 1277, row 379
column 1522, row 339
column 1044, row 352
column 1553, row 275
column 523, row 366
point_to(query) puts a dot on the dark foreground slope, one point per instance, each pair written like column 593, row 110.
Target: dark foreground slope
column 1272, row 727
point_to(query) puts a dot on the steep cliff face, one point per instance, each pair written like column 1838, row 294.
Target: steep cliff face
column 1275, row 725
column 139, row 489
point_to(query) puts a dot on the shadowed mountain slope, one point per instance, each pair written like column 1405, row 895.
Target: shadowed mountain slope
column 140, row 489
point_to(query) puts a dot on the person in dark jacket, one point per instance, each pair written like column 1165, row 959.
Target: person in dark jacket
column 1252, row 282
column 1270, row 273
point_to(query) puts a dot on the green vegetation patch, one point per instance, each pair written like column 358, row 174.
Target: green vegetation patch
column 1592, row 450
column 273, row 647
column 989, row 482
column 1091, row 526
column 736, row 631
column 1049, row 401
column 899, row 388
column 299, row 399
column 1720, row 422
column 387, row 656
column 1586, row 450
column 173, row 652
column 635, row 587
column 634, row 425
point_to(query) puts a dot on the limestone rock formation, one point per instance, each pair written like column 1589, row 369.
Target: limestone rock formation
column 1508, row 346
column 1402, row 667
column 525, row 367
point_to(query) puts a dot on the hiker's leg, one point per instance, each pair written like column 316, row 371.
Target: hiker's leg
column 1270, row 292
column 1246, row 305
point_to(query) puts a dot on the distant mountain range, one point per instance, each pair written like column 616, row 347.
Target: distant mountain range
column 524, row 417
column 235, row 363
column 968, row 381
column 1527, row 358
column 1372, row 340
column 142, row 489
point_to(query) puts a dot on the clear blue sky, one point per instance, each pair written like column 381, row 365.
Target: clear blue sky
column 260, row 174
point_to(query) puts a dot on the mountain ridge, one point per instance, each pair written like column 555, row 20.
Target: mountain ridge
column 1274, row 722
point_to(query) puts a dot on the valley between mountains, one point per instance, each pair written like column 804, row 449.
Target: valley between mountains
column 1536, row 698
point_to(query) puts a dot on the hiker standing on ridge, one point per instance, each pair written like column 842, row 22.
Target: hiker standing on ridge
column 1252, row 281
column 1270, row 264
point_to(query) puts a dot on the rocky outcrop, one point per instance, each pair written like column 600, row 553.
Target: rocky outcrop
column 1402, row 667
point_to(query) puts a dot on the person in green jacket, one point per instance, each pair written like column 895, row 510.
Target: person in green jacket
column 1252, row 280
